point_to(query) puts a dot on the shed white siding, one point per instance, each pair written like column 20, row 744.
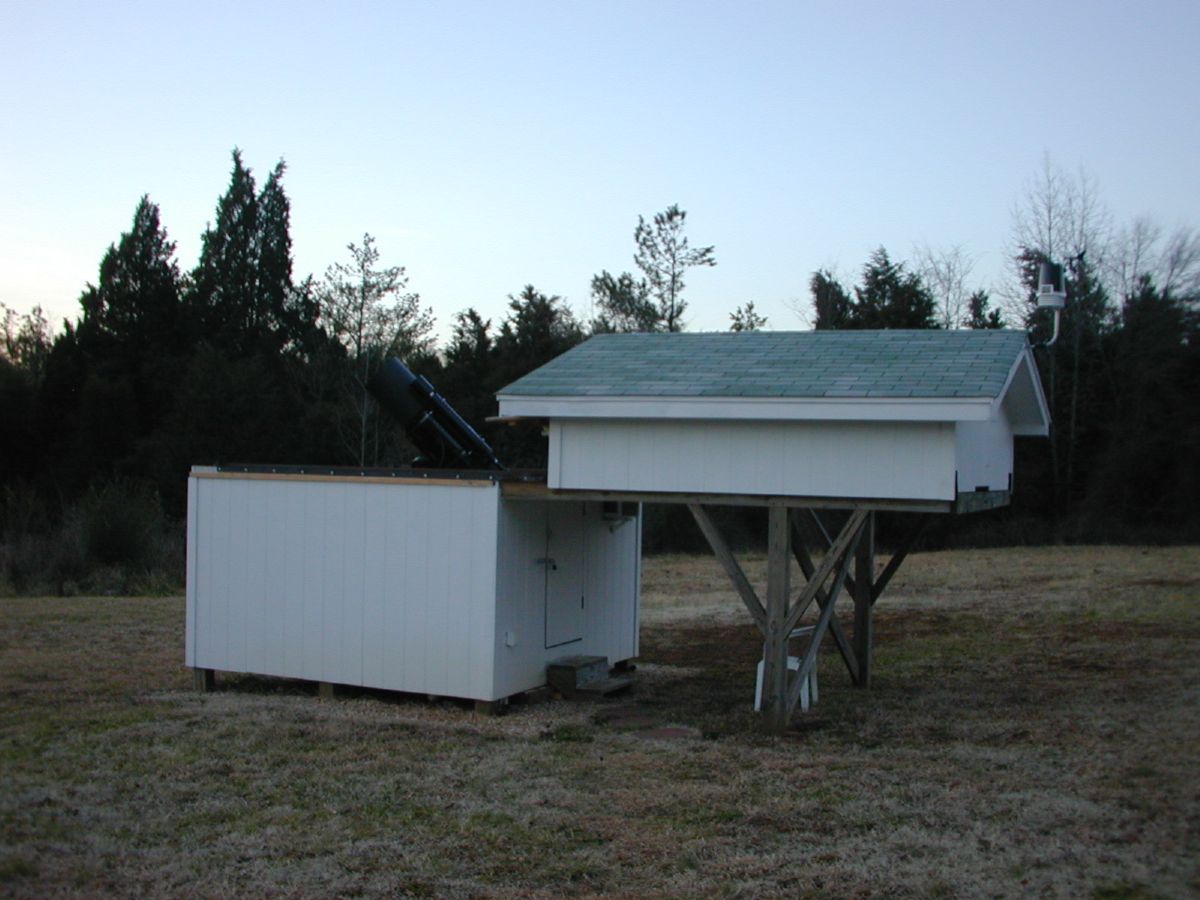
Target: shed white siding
column 541, row 617
column 436, row 588
column 346, row 581
column 984, row 455
column 887, row 460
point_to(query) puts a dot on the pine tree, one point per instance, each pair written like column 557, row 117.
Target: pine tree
column 744, row 318
column 664, row 256
column 370, row 312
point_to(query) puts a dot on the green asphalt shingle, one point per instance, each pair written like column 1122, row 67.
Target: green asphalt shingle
column 929, row 364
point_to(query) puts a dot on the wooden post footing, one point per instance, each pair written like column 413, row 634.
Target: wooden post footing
column 204, row 680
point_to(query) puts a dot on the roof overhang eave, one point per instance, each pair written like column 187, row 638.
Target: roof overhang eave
column 867, row 409
column 1023, row 399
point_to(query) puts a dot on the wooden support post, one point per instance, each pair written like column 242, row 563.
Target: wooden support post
column 775, row 704
column 864, row 600
column 204, row 680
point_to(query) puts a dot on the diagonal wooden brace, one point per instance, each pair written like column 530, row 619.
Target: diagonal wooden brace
column 730, row 564
column 836, row 555
column 823, row 621
column 826, row 543
column 808, row 567
column 898, row 557
column 879, row 583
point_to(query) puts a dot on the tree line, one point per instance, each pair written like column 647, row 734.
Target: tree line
column 238, row 360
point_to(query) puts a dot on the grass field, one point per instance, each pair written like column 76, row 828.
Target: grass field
column 1034, row 729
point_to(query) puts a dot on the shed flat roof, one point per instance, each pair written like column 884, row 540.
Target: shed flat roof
column 800, row 364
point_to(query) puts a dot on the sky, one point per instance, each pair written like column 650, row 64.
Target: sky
column 487, row 146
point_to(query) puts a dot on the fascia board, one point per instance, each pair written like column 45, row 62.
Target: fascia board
column 868, row 409
column 1037, row 425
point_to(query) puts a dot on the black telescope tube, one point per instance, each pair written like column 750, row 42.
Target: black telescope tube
column 438, row 431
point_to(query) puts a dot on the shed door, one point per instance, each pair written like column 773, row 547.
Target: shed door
column 564, row 573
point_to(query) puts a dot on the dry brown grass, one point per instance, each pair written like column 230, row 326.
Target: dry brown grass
column 1034, row 729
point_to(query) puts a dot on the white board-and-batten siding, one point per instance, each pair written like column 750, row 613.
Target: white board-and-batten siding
column 345, row 581
column 431, row 587
column 884, row 460
column 568, row 584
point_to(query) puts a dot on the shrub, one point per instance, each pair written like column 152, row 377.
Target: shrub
column 116, row 539
column 121, row 522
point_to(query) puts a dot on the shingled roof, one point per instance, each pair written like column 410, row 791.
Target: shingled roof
column 782, row 364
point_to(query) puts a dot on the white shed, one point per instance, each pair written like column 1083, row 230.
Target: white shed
column 407, row 581
column 921, row 416
column 861, row 421
column 469, row 584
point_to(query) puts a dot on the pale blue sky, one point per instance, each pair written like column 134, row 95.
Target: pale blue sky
column 488, row 145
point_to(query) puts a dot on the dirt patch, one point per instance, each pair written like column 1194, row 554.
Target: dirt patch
column 706, row 646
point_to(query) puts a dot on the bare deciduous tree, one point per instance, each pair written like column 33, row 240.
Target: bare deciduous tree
column 1061, row 217
column 1171, row 261
column 945, row 272
column 372, row 315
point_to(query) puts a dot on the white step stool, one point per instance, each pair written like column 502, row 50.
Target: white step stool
column 808, row 690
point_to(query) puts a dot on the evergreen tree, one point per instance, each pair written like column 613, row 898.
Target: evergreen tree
column 273, row 251
column 744, row 318
column 471, row 342
column 980, row 314
column 624, row 304
column 469, row 380
column 225, row 284
column 890, row 297
column 539, row 327
column 664, row 256
column 132, row 323
column 136, row 303
column 117, row 369
column 1145, row 476
column 242, row 293
column 1075, row 376
column 833, row 305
